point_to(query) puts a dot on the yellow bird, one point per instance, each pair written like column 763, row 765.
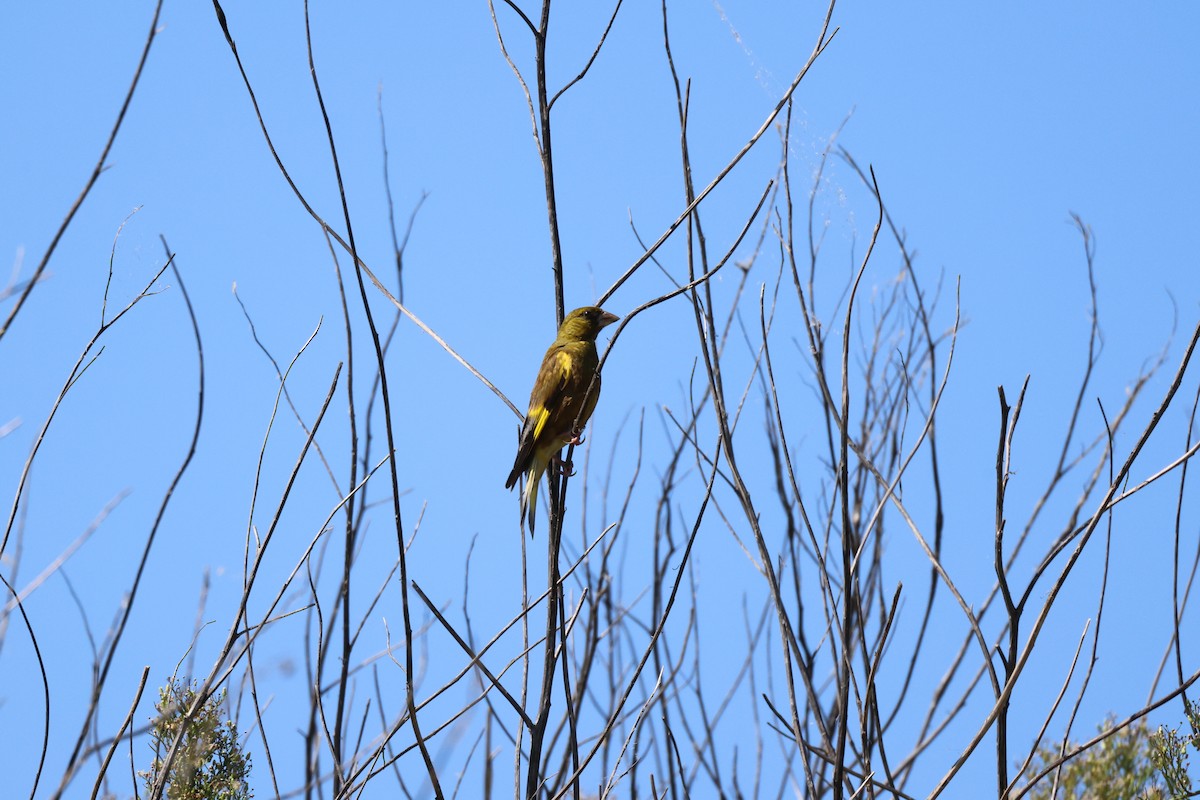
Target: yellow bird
column 560, row 403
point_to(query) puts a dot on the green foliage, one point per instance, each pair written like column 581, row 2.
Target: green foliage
column 1118, row 768
column 1126, row 765
column 210, row 764
column 1168, row 751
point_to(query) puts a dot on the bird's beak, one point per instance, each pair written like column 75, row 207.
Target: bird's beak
column 607, row 319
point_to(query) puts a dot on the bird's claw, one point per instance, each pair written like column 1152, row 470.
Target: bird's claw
column 565, row 468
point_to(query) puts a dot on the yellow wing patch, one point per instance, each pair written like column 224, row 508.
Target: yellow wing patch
column 540, row 415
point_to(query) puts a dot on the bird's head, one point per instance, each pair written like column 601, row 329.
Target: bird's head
column 583, row 324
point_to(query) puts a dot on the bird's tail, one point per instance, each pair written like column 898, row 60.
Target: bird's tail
column 529, row 497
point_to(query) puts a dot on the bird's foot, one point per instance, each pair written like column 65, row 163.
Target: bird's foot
column 565, row 468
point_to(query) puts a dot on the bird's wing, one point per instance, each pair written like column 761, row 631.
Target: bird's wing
column 551, row 394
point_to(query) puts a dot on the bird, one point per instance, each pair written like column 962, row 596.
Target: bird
column 563, row 398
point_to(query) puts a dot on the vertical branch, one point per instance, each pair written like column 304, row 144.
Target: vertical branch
column 849, row 609
column 342, row 597
column 557, row 490
column 1003, row 470
column 37, row 653
column 572, row 733
column 1002, row 578
column 547, row 155
column 537, row 733
column 1177, row 603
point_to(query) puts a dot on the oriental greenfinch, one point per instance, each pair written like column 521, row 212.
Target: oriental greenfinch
column 563, row 398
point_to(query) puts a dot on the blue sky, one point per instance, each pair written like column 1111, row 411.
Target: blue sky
column 987, row 126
